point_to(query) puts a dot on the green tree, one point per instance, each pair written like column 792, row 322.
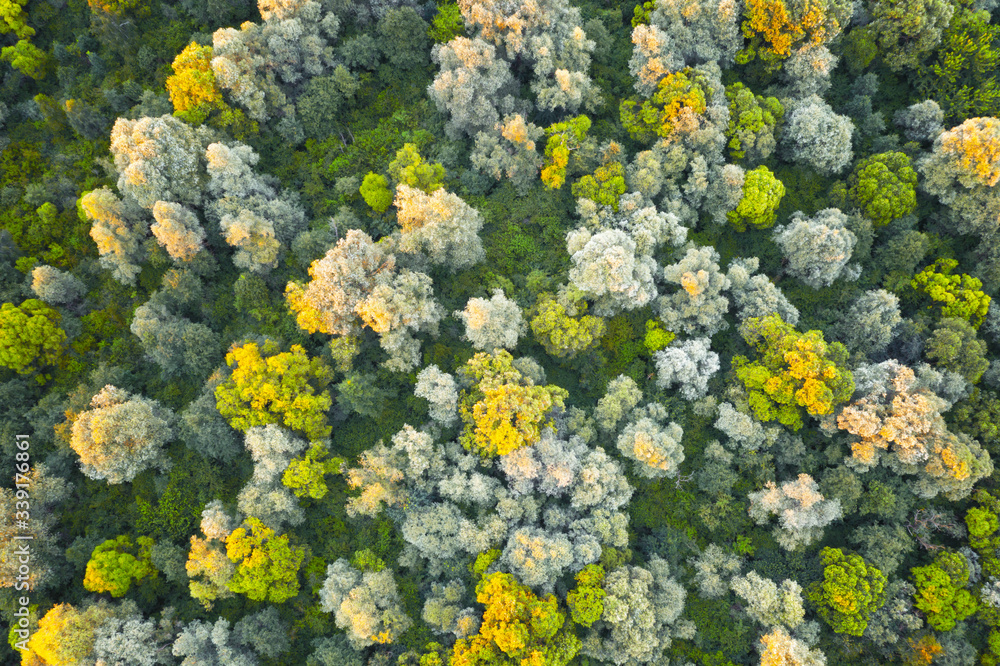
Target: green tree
column 678, row 94
column 113, row 568
column 26, row 58
column 586, row 600
column 411, row 169
column 564, row 138
column 563, row 328
column 958, row 295
column 13, row 19
column 304, row 475
column 851, row 590
column 447, row 23
column 762, row 193
column 29, row 336
column 604, row 187
column 884, row 187
column 794, row 371
column 267, row 566
column 954, row 346
column 376, row 193
column 752, row 120
column 270, row 387
column 941, row 592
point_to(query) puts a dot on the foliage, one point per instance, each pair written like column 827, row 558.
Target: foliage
column 959, row 296
column 411, row 169
column 586, row 600
column 267, row 565
column 112, row 568
column 376, row 193
column 884, row 187
column 940, row 590
column 563, row 139
column 268, row 386
column 795, row 370
column 753, row 120
column 851, row 590
column 679, row 95
column 604, row 187
column 504, row 410
column 192, row 88
column 762, row 194
column 517, row 625
column 30, row 336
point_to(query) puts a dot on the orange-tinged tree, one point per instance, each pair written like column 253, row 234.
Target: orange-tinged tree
column 975, row 147
column 778, row 648
column 775, row 27
column 281, row 388
column 192, row 87
column 794, row 371
column 518, row 629
column 680, row 95
column 504, row 410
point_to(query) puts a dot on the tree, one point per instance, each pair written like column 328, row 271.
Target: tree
column 762, row 194
column 586, row 600
column 883, row 186
column 795, row 370
column 517, row 625
column 954, row 346
column 439, row 224
column 30, row 336
column 267, row 566
column 656, row 449
column 264, row 632
column 563, row 139
column 265, row 497
column 700, row 32
column 503, row 410
column 699, row 307
column 608, row 268
column 816, row 136
column 118, row 227
column 474, row 88
column 679, row 95
column 960, row 296
column 266, row 386
column 192, row 86
column 641, row 611
column 160, row 159
column 870, row 322
column 778, row 648
column 691, row 365
column 441, row 391
column 47, row 491
column 492, row 324
column 851, row 590
column 776, row 27
column 304, row 475
column 605, row 187
column 177, row 229
column 112, row 568
column 752, row 123
column 66, row 634
column 324, row 97
column 922, row 121
column 512, row 153
column 757, row 295
column 204, row 644
column 908, row 30
column 941, row 592
column 365, row 604
column 26, row 58
column 562, row 328
column 55, row 286
column 817, row 248
column 176, row 344
column 14, row 19
column 767, row 604
column 208, row 567
column 121, row 435
column 713, row 570
column 410, row 169
column 620, row 398
column 403, row 38
column 803, row 511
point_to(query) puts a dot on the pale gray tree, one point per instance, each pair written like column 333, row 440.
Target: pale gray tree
column 689, row 365
column 55, row 286
column 816, row 136
column 818, row 248
column 698, row 307
column 491, row 324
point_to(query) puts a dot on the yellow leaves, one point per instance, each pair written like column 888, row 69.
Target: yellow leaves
column 515, row 130
column 693, row 283
column 976, row 143
column 192, row 86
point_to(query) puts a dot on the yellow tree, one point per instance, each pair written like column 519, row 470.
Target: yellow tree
column 518, row 629
column 504, row 410
column 281, row 388
column 794, row 371
column 267, row 566
column 192, row 86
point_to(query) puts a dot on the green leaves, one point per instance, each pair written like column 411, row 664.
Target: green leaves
column 960, row 296
column 267, row 566
column 29, row 336
column 762, row 194
column 940, row 591
column 375, row 191
column 113, row 569
column 851, row 590
column 586, row 600
column 884, row 187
